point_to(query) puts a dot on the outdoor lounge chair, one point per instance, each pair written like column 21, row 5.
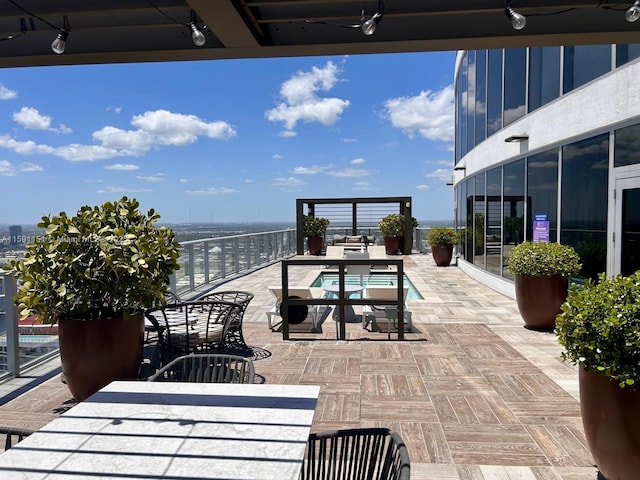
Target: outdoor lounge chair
column 372, row 313
column 233, row 341
column 207, row 368
column 14, row 435
column 356, row 454
column 297, row 313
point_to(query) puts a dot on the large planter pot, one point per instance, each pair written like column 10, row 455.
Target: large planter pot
column 611, row 420
column 539, row 299
column 442, row 254
column 96, row 352
column 391, row 245
column 315, row 244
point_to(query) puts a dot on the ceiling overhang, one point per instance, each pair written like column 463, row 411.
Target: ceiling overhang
column 154, row 30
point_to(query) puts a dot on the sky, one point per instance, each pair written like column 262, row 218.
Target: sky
column 227, row 140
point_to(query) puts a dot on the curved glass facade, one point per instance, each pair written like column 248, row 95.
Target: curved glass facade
column 565, row 178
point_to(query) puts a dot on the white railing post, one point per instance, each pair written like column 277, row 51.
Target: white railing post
column 11, row 325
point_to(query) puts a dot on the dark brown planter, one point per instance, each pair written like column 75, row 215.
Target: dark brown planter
column 392, row 245
column 315, row 244
column 611, row 420
column 96, row 352
column 442, row 254
column 539, row 299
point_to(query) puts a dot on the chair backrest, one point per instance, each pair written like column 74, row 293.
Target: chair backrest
column 231, row 296
column 377, row 251
column 356, row 454
column 295, row 291
column 14, row 435
column 356, row 255
column 385, row 292
column 207, row 368
column 334, row 251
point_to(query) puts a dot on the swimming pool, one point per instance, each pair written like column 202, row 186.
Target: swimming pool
column 374, row 278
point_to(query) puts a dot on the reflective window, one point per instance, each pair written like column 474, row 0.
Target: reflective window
column 626, row 53
column 513, row 210
column 459, row 113
column 585, row 173
column 479, row 209
column 494, row 220
column 471, row 100
column 481, row 95
column 583, row 63
column 494, row 91
column 542, row 191
column 515, row 66
column 461, row 222
column 544, row 75
column 463, row 116
column 627, row 146
column 468, row 188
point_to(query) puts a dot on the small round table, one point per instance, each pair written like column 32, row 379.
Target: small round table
column 350, row 315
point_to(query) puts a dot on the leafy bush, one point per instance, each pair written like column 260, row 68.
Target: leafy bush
column 315, row 226
column 442, row 236
column 104, row 262
column 599, row 327
column 544, row 259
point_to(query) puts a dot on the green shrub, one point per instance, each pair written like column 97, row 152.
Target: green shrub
column 599, row 327
column 315, row 226
column 544, row 259
column 107, row 261
column 442, row 236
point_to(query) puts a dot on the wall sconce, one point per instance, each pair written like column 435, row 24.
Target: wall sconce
column 517, row 138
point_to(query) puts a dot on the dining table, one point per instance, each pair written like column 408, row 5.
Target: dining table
column 172, row 430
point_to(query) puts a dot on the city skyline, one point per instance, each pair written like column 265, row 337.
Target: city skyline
column 228, row 140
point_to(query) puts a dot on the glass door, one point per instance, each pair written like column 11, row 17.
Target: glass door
column 627, row 226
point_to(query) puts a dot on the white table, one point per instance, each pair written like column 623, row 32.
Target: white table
column 165, row 430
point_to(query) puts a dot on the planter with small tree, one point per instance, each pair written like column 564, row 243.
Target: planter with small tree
column 314, row 229
column 599, row 328
column 442, row 240
column 392, row 229
column 542, row 271
column 94, row 274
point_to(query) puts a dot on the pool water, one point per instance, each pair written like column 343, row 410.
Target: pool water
column 325, row 279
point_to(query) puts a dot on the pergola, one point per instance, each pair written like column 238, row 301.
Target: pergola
column 120, row 31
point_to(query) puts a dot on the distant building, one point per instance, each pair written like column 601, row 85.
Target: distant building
column 15, row 235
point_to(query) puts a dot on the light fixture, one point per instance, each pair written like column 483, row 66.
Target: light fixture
column 60, row 42
column 197, row 36
column 517, row 138
column 369, row 27
column 518, row 21
column 633, row 13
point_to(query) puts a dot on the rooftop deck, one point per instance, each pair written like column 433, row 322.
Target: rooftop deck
column 474, row 394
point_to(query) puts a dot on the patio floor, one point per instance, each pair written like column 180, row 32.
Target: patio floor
column 474, row 394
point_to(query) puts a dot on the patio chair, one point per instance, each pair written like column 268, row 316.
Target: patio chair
column 207, row 368
column 233, row 341
column 372, row 313
column 14, row 435
column 334, row 251
column 356, row 454
column 378, row 252
column 297, row 313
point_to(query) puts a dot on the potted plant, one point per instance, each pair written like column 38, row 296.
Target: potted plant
column 542, row 271
column 599, row 328
column 392, row 229
column 315, row 229
column 442, row 240
column 94, row 274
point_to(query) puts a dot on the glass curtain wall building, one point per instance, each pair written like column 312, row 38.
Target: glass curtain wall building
column 553, row 134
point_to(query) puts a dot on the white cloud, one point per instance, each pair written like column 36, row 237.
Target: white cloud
column 430, row 114
column 349, row 172
column 287, row 133
column 287, row 182
column 362, row 186
column 125, row 167
column 183, row 180
column 151, row 178
column 313, row 169
column 30, row 167
column 441, row 174
column 357, row 161
column 211, row 191
column 32, row 119
column 124, row 190
column 348, row 140
column 114, row 109
column 6, row 94
column 301, row 102
column 277, row 155
column 422, row 187
column 7, row 169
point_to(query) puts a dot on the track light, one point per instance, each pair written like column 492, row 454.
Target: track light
column 60, row 42
column 633, row 13
column 369, row 27
column 518, row 21
column 197, row 36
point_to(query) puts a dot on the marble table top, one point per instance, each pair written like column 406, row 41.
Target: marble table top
column 167, row 430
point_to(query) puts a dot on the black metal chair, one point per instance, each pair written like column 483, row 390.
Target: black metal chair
column 356, row 454
column 14, row 435
column 207, row 368
column 234, row 342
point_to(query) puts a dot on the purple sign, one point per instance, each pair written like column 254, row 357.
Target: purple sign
column 540, row 231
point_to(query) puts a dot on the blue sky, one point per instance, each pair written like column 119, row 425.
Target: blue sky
column 228, row 140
